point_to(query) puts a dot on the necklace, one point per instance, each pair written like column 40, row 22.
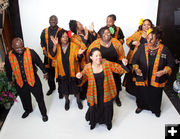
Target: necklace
column 107, row 44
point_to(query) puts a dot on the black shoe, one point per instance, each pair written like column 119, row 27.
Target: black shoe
column 138, row 110
column 49, row 92
column 60, row 95
column 67, row 105
column 158, row 114
column 45, row 118
column 118, row 102
column 92, row 126
column 25, row 114
column 109, row 126
column 80, row 106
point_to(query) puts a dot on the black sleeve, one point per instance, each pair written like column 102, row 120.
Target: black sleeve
column 8, row 68
column 120, row 34
column 136, row 56
column 131, row 45
column 36, row 59
column 42, row 37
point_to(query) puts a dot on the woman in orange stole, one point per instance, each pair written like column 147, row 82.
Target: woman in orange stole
column 153, row 65
column 133, row 42
column 101, row 88
column 112, row 50
column 67, row 55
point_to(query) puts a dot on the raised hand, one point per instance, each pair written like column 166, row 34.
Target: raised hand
column 124, row 61
column 54, row 40
column 81, row 51
column 91, row 26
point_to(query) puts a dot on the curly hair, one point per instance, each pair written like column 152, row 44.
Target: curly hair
column 113, row 16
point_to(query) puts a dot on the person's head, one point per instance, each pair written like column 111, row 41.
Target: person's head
column 95, row 56
column 110, row 20
column 155, row 36
column 105, row 34
column 147, row 24
column 63, row 37
column 75, row 26
column 53, row 21
column 18, row 45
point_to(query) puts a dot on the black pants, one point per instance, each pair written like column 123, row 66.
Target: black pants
column 25, row 96
column 51, row 78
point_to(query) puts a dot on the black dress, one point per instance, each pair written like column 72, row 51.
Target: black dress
column 67, row 84
column 149, row 97
column 101, row 113
column 111, row 55
column 130, row 86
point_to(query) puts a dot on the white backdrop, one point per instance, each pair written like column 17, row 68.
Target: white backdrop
column 35, row 15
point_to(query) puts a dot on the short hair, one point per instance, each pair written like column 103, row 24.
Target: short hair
column 60, row 34
column 92, row 51
column 73, row 26
column 101, row 31
column 52, row 17
column 113, row 16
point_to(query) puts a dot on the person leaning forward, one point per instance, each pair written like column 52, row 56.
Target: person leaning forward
column 22, row 62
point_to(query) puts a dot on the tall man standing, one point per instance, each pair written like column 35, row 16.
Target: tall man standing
column 47, row 46
column 22, row 63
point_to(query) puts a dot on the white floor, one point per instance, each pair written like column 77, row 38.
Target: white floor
column 72, row 124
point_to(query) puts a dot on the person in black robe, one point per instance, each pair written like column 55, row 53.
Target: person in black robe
column 153, row 65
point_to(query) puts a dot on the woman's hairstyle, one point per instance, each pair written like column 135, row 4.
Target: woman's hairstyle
column 92, row 51
column 101, row 32
column 73, row 26
column 140, row 26
column 158, row 33
column 60, row 34
column 113, row 16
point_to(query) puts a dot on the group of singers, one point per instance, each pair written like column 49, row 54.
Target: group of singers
column 89, row 65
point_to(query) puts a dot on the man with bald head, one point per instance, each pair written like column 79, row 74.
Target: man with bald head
column 47, row 46
column 22, row 63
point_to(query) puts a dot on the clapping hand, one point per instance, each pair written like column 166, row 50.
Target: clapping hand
column 138, row 72
column 81, row 51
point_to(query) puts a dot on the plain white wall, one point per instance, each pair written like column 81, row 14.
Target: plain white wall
column 35, row 15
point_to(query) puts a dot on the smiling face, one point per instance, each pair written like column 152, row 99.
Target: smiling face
column 109, row 22
column 64, row 39
column 96, row 57
column 18, row 45
column 106, row 35
column 151, row 39
column 53, row 21
column 146, row 25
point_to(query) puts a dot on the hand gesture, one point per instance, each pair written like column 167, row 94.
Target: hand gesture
column 160, row 73
column 124, row 61
column 136, row 43
column 81, row 51
column 55, row 41
column 138, row 72
column 79, row 75
column 91, row 26
column 46, row 76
